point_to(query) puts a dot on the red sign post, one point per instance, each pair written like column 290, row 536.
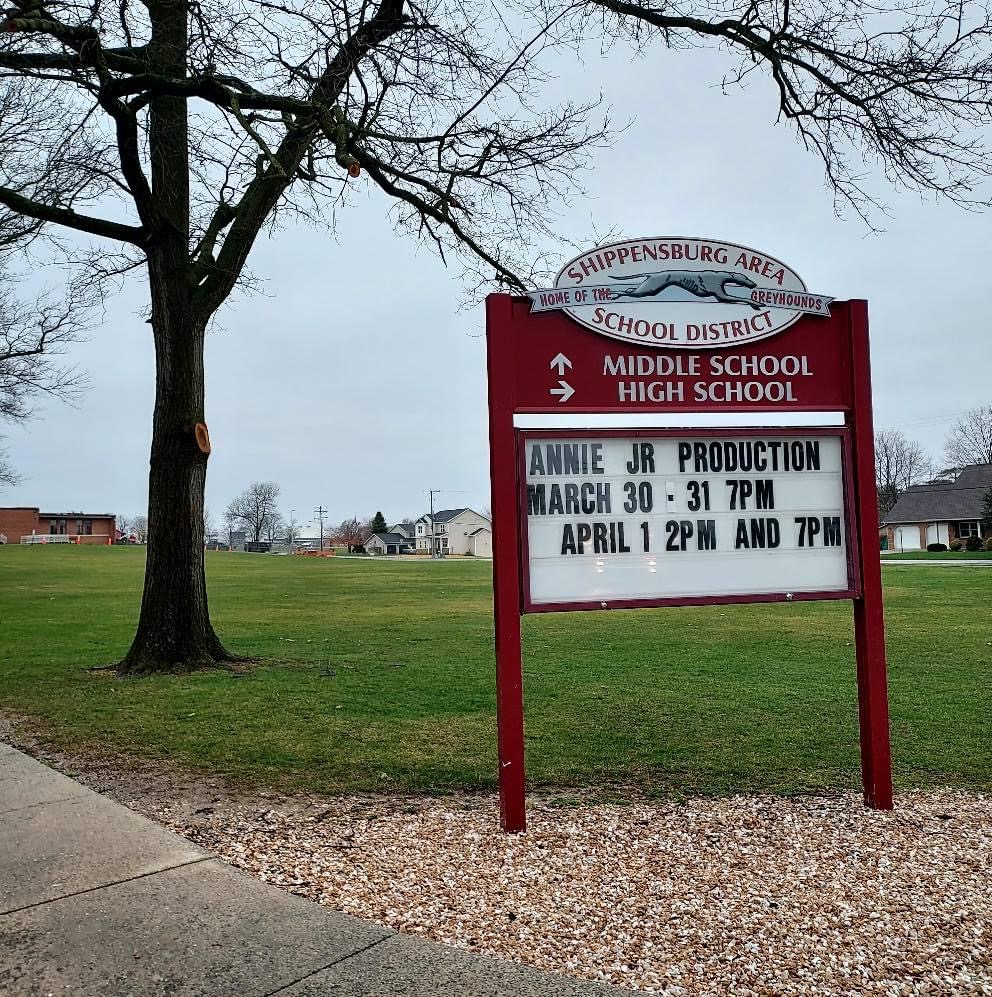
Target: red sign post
column 548, row 364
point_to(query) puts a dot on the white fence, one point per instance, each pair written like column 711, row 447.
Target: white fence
column 46, row 538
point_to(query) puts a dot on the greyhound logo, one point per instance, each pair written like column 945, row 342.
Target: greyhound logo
column 674, row 292
column 702, row 283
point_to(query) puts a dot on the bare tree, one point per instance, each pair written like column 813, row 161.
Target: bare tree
column 7, row 475
column 209, row 526
column 185, row 130
column 230, row 525
column 34, row 332
column 352, row 533
column 139, row 527
column 124, row 525
column 899, row 463
column 970, row 439
column 275, row 527
column 902, row 87
column 254, row 510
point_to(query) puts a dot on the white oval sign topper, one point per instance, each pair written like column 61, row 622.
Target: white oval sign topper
column 680, row 293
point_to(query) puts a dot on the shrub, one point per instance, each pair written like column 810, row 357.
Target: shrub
column 956, row 545
column 988, row 544
column 936, row 548
column 974, row 543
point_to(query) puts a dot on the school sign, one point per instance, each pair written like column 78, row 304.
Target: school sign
column 661, row 508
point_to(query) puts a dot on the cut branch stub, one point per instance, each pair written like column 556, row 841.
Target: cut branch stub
column 202, row 437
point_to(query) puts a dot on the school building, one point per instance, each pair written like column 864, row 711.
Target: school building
column 27, row 524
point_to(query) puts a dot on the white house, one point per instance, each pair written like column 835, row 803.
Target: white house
column 481, row 542
column 388, row 543
column 456, row 531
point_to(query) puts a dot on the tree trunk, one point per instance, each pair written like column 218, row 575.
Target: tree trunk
column 174, row 630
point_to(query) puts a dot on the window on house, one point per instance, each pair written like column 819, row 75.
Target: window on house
column 87, row 527
column 968, row 529
column 444, row 541
column 79, row 527
column 53, row 526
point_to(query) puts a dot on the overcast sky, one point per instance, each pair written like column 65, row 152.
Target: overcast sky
column 356, row 382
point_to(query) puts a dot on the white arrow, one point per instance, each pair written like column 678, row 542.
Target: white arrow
column 566, row 391
column 561, row 362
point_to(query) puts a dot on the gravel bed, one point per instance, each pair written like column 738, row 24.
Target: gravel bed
column 751, row 895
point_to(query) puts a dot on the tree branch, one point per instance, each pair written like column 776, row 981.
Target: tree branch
column 72, row 219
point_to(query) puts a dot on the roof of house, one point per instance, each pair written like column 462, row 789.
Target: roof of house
column 77, row 515
column 958, row 499
column 446, row 515
column 390, row 538
column 481, row 529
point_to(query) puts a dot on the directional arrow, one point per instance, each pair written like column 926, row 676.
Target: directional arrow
column 566, row 391
column 561, row 362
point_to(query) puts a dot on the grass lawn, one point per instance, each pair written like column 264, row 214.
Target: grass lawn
column 377, row 675
column 927, row 555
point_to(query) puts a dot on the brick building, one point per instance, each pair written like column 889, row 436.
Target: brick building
column 64, row 527
column 941, row 512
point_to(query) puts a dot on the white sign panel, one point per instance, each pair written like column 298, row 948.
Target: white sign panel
column 641, row 518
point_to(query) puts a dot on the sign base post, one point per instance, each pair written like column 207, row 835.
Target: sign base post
column 869, row 623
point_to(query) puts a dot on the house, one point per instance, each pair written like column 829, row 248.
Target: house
column 28, row 524
column 481, row 542
column 389, row 543
column 455, row 532
column 940, row 512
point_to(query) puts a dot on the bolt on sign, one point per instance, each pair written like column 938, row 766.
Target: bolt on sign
column 676, row 331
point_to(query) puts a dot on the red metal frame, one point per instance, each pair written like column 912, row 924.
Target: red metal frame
column 503, row 318
column 527, row 606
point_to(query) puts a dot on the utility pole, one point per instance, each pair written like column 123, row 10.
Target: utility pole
column 320, row 512
column 292, row 513
column 435, row 553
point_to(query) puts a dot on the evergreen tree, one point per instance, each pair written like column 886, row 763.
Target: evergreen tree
column 379, row 523
column 987, row 509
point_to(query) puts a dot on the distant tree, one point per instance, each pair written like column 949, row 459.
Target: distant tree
column 7, row 475
column 378, row 524
column 899, row 463
column 209, row 527
column 275, row 528
column 230, row 525
column 253, row 510
column 351, row 533
column 290, row 532
column 139, row 527
column 124, row 525
column 970, row 438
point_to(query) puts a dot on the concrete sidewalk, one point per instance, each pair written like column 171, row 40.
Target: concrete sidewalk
column 97, row 900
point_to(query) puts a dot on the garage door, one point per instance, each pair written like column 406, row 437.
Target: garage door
column 907, row 538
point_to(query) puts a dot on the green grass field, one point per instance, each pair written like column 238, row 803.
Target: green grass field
column 927, row 555
column 376, row 675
